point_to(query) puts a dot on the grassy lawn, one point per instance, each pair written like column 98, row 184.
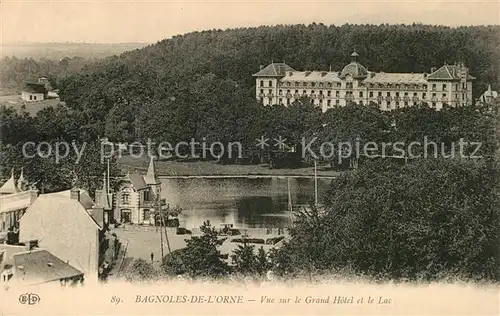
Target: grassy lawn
column 32, row 108
column 208, row 168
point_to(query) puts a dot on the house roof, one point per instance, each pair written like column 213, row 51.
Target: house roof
column 137, row 181
column 85, row 198
column 150, row 177
column 10, row 187
column 490, row 93
column 382, row 77
column 52, row 205
column 35, row 88
column 449, row 72
column 274, row 70
column 40, row 266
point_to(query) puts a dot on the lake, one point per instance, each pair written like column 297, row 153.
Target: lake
column 244, row 202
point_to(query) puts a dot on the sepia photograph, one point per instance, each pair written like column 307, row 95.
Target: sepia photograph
column 249, row 157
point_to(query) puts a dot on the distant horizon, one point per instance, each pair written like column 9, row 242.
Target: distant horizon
column 143, row 21
column 240, row 27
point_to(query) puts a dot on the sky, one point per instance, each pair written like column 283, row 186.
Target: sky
column 141, row 21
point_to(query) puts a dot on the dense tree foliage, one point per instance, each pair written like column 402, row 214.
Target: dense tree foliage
column 426, row 220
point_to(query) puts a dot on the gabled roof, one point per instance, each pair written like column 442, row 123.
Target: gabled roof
column 10, row 187
column 274, row 70
column 85, row 198
column 40, row 266
column 449, row 72
column 35, row 88
column 151, row 177
column 49, row 208
column 137, row 181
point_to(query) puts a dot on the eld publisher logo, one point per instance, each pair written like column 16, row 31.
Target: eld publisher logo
column 29, row 298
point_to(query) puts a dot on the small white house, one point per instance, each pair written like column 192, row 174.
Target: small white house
column 34, row 92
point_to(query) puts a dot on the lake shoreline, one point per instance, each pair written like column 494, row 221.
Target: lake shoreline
column 209, row 169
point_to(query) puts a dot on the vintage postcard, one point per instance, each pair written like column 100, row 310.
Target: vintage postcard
column 249, row 157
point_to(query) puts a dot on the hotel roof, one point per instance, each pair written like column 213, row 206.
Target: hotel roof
column 382, row 77
column 448, row 72
column 274, row 70
column 311, row 76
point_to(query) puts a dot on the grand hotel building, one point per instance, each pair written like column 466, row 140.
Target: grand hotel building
column 279, row 83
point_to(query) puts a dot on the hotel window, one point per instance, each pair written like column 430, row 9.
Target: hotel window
column 360, row 94
column 339, row 84
column 433, row 95
column 321, row 92
column 262, row 83
column 337, row 102
column 296, row 91
column 444, row 87
column 321, row 84
column 424, row 95
column 270, row 83
column 261, row 90
column 337, row 94
column 313, row 84
column 288, row 83
column 388, row 94
column 397, row 94
column 425, row 86
column 280, row 92
column 389, row 85
column 329, row 93
column 270, row 101
column 304, row 92
column 414, row 94
column 379, row 94
column 329, row 102
column 280, row 100
column 406, row 103
column 297, row 84
column 270, row 91
column 433, row 87
column 433, row 104
column 304, row 84
column 414, row 103
column 397, row 104
column 287, row 91
column 397, row 86
column 371, row 94
column 348, row 85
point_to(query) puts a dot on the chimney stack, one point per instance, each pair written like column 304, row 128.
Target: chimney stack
column 75, row 194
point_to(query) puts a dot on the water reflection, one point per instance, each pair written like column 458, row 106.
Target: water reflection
column 244, row 202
